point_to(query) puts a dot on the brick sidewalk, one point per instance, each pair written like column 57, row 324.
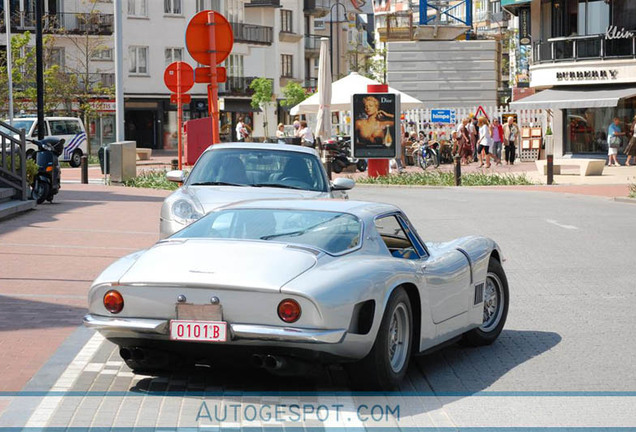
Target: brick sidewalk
column 51, row 255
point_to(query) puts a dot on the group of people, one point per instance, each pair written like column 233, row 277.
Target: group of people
column 476, row 139
column 301, row 130
column 614, row 141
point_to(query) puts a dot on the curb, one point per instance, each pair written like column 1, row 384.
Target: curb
column 625, row 200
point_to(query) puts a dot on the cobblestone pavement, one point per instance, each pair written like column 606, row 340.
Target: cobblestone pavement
column 564, row 359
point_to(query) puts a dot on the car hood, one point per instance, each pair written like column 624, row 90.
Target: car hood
column 212, row 197
column 230, row 264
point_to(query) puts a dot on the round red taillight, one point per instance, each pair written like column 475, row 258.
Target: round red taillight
column 113, row 301
column 289, row 310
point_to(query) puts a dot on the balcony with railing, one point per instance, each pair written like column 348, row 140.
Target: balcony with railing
column 263, row 3
column 582, row 48
column 312, row 45
column 252, row 34
column 70, row 23
column 237, row 86
column 317, row 8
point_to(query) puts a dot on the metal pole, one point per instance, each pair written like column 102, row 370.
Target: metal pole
column 7, row 24
column 213, row 88
column 179, row 114
column 39, row 67
column 458, row 170
column 119, row 72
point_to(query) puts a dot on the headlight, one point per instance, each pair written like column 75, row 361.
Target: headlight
column 185, row 212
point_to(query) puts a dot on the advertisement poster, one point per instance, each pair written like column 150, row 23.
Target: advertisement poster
column 375, row 130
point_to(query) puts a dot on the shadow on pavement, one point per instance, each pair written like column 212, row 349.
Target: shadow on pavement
column 21, row 314
column 455, row 369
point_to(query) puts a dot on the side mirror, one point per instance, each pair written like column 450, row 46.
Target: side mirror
column 176, row 176
column 342, row 183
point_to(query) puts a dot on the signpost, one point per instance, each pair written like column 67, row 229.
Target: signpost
column 179, row 78
column 209, row 40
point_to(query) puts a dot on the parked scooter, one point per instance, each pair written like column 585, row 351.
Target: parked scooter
column 47, row 182
column 340, row 152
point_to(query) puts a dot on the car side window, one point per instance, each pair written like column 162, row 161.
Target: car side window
column 395, row 238
column 72, row 127
column 58, row 127
column 35, row 130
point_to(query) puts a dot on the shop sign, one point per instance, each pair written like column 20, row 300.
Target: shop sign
column 444, row 116
column 524, row 26
column 587, row 75
column 613, row 32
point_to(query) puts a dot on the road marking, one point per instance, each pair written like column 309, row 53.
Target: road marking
column 553, row 222
column 49, row 404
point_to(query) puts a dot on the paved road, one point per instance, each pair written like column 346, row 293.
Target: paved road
column 570, row 264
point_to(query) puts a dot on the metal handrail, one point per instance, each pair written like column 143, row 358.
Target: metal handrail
column 577, row 48
column 10, row 175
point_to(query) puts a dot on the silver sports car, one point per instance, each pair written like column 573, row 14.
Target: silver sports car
column 232, row 172
column 285, row 283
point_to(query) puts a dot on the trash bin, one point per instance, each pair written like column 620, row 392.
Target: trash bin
column 122, row 161
column 102, row 153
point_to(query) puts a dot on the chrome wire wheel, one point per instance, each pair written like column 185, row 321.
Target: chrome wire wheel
column 493, row 302
column 399, row 333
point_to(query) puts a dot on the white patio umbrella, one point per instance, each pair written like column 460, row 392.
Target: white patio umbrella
column 341, row 92
column 323, row 121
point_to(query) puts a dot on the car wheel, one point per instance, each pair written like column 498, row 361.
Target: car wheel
column 362, row 165
column 40, row 190
column 496, row 302
column 76, row 159
column 385, row 366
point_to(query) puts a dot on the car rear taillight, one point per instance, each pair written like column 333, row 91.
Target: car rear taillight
column 289, row 310
column 113, row 301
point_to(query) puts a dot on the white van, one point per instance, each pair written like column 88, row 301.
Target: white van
column 69, row 128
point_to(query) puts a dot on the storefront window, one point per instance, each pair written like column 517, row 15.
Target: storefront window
column 594, row 17
column 586, row 128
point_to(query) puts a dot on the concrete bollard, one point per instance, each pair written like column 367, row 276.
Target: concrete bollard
column 84, row 169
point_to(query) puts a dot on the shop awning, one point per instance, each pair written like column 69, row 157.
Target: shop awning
column 575, row 98
column 237, row 105
column 505, row 3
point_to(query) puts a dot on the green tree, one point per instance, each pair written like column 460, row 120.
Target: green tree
column 262, row 97
column 371, row 65
column 294, row 94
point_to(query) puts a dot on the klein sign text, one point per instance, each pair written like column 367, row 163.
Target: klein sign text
column 603, row 74
column 613, row 32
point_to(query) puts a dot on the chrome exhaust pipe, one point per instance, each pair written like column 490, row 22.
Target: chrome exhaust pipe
column 257, row 360
column 272, row 362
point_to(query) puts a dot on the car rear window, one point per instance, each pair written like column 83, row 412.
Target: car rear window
column 259, row 168
column 332, row 232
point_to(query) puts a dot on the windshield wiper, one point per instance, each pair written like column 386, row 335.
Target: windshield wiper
column 277, row 185
column 216, row 183
column 299, row 232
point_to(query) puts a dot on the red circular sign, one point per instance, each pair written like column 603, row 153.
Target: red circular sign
column 198, row 38
column 172, row 75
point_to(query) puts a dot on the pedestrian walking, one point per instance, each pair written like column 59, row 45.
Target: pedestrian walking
column 484, row 142
column 473, row 132
column 614, row 135
column 630, row 151
column 511, row 136
column 497, row 139
column 241, row 130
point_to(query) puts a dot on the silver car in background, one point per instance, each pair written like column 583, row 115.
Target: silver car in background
column 227, row 173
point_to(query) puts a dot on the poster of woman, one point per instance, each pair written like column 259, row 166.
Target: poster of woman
column 375, row 132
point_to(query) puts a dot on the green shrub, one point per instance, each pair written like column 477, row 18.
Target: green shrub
column 441, row 178
column 152, row 180
column 632, row 190
column 31, row 167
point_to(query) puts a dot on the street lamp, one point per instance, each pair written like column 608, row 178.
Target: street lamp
column 336, row 5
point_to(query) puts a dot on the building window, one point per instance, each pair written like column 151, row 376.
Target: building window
column 102, row 54
column 287, row 67
column 593, row 17
column 173, row 55
column 107, row 79
column 56, row 57
column 319, row 24
column 138, row 60
column 138, row 8
column 172, row 7
column 286, row 21
column 234, row 66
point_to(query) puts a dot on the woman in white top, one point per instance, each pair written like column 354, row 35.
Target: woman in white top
column 280, row 131
column 485, row 141
column 306, row 134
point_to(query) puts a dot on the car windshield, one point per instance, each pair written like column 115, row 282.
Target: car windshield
column 259, row 168
column 18, row 124
column 330, row 231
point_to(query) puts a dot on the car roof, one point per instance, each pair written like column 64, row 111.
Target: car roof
column 46, row 118
column 361, row 209
column 263, row 146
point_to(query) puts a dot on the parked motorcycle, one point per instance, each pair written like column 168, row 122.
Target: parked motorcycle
column 340, row 154
column 426, row 154
column 47, row 182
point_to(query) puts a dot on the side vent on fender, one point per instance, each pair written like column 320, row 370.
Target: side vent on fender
column 479, row 293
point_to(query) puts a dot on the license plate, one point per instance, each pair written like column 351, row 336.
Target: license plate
column 204, row 331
